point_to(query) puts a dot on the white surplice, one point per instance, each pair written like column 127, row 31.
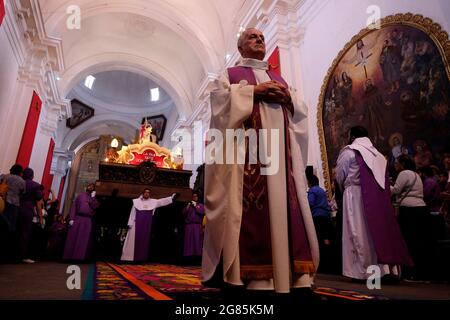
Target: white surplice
column 358, row 252
column 231, row 105
column 140, row 204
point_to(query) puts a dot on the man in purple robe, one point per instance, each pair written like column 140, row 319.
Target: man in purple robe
column 80, row 236
column 27, row 212
column 193, row 234
column 137, row 243
column 259, row 232
column 370, row 235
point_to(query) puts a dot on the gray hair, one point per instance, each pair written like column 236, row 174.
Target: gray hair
column 242, row 37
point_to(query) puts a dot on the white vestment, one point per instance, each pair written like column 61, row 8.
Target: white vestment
column 231, row 105
column 358, row 252
column 140, row 204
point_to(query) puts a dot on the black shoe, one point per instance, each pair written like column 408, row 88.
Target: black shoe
column 412, row 279
column 231, row 292
column 361, row 281
column 390, row 279
column 302, row 294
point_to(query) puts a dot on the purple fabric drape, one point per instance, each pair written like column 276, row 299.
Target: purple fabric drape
column 143, row 227
column 380, row 216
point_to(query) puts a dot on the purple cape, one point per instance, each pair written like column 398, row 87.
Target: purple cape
column 380, row 216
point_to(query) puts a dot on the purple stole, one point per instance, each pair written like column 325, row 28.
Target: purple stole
column 255, row 250
column 380, row 216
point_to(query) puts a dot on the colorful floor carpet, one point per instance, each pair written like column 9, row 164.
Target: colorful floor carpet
column 169, row 278
column 110, row 285
column 169, row 282
column 346, row 294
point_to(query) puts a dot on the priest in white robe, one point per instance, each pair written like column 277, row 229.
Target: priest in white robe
column 259, row 231
column 370, row 233
column 137, row 242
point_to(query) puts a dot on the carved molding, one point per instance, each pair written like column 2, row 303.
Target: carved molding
column 60, row 161
column 39, row 57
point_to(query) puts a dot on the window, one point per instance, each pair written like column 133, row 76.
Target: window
column 154, row 94
column 89, row 82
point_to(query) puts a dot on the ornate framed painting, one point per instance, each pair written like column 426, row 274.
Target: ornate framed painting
column 394, row 81
column 158, row 124
column 80, row 113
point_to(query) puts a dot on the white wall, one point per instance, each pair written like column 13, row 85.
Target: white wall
column 8, row 76
column 328, row 32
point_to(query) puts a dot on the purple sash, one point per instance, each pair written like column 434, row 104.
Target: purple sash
column 255, row 250
column 380, row 216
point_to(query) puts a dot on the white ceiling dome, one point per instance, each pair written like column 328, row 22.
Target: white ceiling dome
column 122, row 89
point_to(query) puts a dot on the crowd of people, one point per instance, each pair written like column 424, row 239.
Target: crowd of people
column 418, row 198
column 31, row 226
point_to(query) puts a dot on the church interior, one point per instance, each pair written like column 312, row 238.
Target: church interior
column 114, row 95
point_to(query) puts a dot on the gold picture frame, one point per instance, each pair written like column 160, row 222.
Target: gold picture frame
column 432, row 29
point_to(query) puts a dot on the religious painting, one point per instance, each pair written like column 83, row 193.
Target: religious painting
column 394, row 81
column 158, row 124
column 80, row 113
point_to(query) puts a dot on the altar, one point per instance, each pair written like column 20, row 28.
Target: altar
column 123, row 175
column 131, row 180
column 143, row 164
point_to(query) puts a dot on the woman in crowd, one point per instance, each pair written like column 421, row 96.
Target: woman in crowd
column 413, row 216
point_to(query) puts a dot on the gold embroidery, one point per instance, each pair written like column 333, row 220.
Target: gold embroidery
column 304, row 267
column 256, row 272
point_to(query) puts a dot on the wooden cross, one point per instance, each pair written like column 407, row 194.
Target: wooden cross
column 363, row 61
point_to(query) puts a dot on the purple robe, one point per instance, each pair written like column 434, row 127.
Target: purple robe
column 26, row 213
column 255, row 251
column 193, row 233
column 144, row 220
column 137, row 243
column 380, row 216
column 80, row 235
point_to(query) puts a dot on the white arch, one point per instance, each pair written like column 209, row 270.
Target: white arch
column 84, row 143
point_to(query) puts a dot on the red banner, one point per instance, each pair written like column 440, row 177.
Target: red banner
column 47, row 178
column 274, row 61
column 148, row 155
column 2, row 11
column 29, row 132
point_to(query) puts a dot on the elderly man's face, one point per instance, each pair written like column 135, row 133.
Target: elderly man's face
column 253, row 45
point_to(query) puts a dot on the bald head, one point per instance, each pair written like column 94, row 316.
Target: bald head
column 251, row 44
